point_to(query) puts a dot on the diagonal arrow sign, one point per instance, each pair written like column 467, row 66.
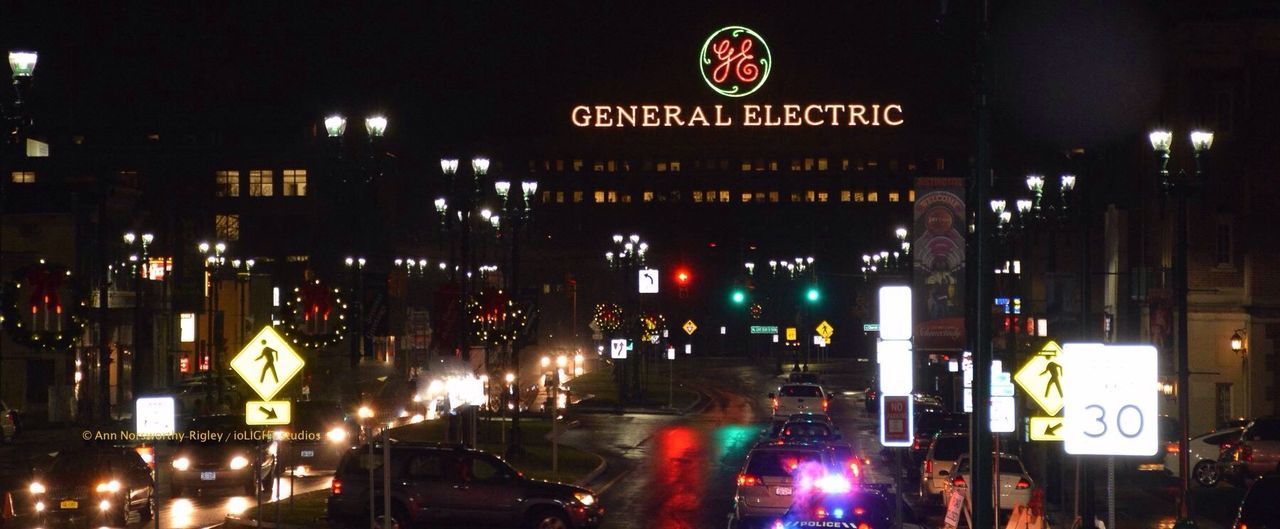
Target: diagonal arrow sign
column 270, row 413
column 1052, row 429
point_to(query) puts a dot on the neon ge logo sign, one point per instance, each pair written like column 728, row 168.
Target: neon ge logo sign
column 735, row 61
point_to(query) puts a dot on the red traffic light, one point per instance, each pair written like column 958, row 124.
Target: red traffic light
column 682, row 276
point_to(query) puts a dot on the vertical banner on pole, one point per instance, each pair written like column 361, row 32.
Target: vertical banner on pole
column 937, row 249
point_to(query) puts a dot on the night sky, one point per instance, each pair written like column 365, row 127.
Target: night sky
column 458, row 73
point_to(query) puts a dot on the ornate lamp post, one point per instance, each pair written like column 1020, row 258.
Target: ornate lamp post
column 626, row 256
column 516, row 208
column 215, row 261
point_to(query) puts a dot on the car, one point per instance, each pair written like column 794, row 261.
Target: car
column 197, row 395
column 95, row 485
column 322, row 435
column 764, row 490
column 803, row 377
column 804, row 431
column 775, row 427
column 1015, row 483
column 1205, row 450
column 1168, row 429
column 935, row 470
column 839, row 504
column 1257, row 452
column 1259, row 508
column 225, row 453
column 436, row 482
column 929, row 424
column 798, row 398
column 10, row 422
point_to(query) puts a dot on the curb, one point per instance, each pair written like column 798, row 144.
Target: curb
column 231, row 521
column 595, row 473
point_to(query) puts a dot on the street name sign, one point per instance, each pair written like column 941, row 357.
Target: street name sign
column 764, row 329
column 1112, row 404
column 689, row 327
column 1045, row 428
column 1042, row 378
column 267, row 413
column 648, row 281
column 870, row 327
column 155, row 416
column 267, row 363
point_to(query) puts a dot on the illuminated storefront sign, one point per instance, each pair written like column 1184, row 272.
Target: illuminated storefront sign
column 735, row 62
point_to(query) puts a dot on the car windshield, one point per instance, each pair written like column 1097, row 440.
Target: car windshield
column 806, row 429
column 950, row 448
column 1009, row 464
column 75, row 464
column 800, row 391
column 780, row 462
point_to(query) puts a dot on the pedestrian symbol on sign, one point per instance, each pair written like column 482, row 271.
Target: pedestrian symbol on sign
column 269, row 356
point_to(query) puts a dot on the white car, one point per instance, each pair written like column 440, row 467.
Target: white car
column 1205, row 449
column 935, row 470
column 798, row 398
column 1015, row 483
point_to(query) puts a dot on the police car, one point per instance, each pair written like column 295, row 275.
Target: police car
column 837, row 504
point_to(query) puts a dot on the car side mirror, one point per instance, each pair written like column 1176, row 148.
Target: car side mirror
column 771, row 395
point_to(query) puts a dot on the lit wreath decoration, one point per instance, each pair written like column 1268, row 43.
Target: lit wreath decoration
column 314, row 315
column 608, row 317
column 651, row 327
column 496, row 319
column 47, row 322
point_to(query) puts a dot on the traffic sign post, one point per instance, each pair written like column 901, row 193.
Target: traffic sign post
column 897, row 417
column 267, row 363
column 268, row 413
column 825, row 329
column 648, row 281
column 618, row 349
column 1045, row 429
column 1042, row 376
column 689, row 327
column 1111, row 405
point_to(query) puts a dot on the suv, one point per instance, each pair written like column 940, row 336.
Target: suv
column 327, row 434
column 1258, row 451
column 765, row 483
column 798, row 398
column 441, row 483
column 1259, row 508
column 935, row 471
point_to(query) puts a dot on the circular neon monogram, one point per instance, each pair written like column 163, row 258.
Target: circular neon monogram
column 735, row 61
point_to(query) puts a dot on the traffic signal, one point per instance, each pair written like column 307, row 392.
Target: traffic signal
column 738, row 296
column 683, row 278
column 812, row 294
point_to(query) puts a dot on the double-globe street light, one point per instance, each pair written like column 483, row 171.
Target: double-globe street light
column 215, row 263
column 139, row 264
column 1179, row 187
column 626, row 256
column 516, row 208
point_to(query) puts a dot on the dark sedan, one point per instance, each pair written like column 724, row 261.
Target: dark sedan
column 101, row 486
column 225, row 453
column 322, row 433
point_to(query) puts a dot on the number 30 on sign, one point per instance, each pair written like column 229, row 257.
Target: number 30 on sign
column 1110, row 399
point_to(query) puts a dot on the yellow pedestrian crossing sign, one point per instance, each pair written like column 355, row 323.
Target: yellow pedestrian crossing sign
column 267, row 413
column 1045, row 428
column 267, row 363
column 1041, row 378
column 825, row 329
column 689, row 327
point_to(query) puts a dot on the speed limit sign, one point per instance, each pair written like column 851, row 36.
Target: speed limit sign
column 1110, row 399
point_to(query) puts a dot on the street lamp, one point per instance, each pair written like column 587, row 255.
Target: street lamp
column 335, row 125
column 1180, row 187
column 355, row 266
column 375, row 125
column 214, row 261
column 22, row 63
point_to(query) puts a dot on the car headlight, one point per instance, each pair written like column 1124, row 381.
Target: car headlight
column 181, row 463
column 337, row 435
column 239, row 462
column 110, row 486
column 585, row 498
column 39, row 506
column 104, row 505
column 36, row 487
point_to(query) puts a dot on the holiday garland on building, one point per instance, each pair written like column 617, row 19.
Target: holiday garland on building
column 314, row 316
column 651, row 327
column 34, row 312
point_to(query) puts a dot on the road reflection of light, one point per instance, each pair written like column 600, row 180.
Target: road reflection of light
column 678, row 487
column 1166, row 523
column 180, row 512
column 237, row 505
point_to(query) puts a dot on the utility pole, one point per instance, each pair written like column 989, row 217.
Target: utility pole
column 980, row 428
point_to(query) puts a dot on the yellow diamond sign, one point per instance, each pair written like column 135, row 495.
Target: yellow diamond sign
column 689, row 327
column 267, row 363
column 1041, row 378
column 825, row 329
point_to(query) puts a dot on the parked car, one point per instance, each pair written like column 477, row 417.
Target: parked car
column 229, row 455
column 94, row 485
column 10, row 422
column 433, row 483
column 803, row 377
column 1015, row 483
column 929, row 424
column 1169, row 430
column 1205, row 450
column 935, row 470
column 324, row 433
column 765, row 484
column 805, row 431
column 1258, row 451
column 1259, row 508
column 798, row 398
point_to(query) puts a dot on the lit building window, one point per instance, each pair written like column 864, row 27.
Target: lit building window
column 911, row 195
column 662, row 167
column 598, row 167
column 911, row 166
column 612, row 166
column 844, row 164
column 295, row 183
column 546, row 197
column 746, row 165
column 795, row 164
column 228, row 183
column 759, row 196
column 647, row 196
column 612, row 197
column 22, row 177
column 297, row 258
column 626, row 198
column 846, row 196
column 940, row 164
column 858, row 196
column 577, row 196
column 559, row 197
column 260, row 181
column 697, row 196
column 808, row 164
column 894, row 196
column 227, row 227
column 675, row 165
column 822, row 196
column 822, row 164
column 873, row 196
column 810, row 195
column 560, row 165
column 599, row 197
column 773, row 165
column 746, row 197
column 773, row 196
column 724, row 195
column 577, row 165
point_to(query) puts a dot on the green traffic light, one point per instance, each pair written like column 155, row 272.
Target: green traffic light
column 739, row 297
column 812, row 294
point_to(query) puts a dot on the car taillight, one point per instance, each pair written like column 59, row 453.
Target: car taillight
column 1246, row 453
column 748, row 480
column 854, row 469
column 1240, row 525
column 775, row 403
column 1172, row 447
column 820, row 513
column 864, row 525
column 958, row 481
column 928, row 466
column 1023, row 484
column 335, row 487
column 915, row 445
column 824, row 404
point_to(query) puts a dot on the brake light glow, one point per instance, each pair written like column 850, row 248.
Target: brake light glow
column 864, row 525
column 775, row 403
column 958, row 481
column 824, row 404
column 748, row 480
column 335, row 487
column 1023, row 484
column 1172, row 447
column 928, row 466
column 854, row 468
column 820, row 513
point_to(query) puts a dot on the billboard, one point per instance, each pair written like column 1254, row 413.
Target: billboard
column 938, row 252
